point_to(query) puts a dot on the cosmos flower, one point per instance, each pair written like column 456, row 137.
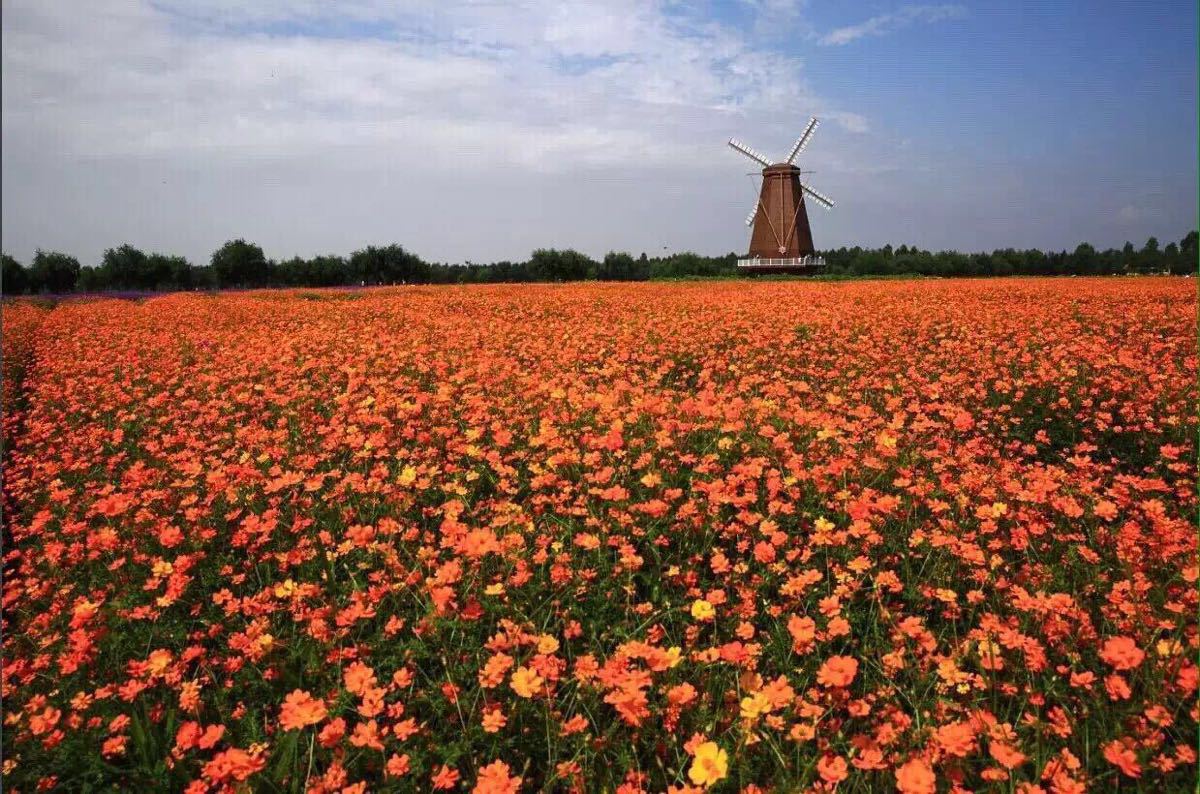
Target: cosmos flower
column 838, row 671
column 915, row 777
column 1122, row 653
column 496, row 778
column 442, row 524
column 300, row 709
column 709, row 764
column 525, row 682
column 702, row 610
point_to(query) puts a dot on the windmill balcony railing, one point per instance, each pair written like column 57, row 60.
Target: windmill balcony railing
column 796, row 261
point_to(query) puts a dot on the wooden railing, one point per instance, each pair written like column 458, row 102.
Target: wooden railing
column 797, row 261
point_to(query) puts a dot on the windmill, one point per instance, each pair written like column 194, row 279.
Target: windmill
column 782, row 239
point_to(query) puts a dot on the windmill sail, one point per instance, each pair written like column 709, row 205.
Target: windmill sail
column 821, row 199
column 746, row 150
column 803, row 140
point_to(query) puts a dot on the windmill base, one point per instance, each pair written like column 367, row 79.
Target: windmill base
column 796, row 264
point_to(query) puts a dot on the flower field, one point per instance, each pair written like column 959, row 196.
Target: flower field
column 776, row 536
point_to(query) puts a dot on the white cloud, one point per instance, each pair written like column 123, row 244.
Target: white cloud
column 438, row 95
column 888, row 23
column 572, row 79
column 466, row 130
column 1130, row 214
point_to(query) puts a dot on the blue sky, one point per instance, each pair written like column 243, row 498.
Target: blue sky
column 1068, row 80
column 478, row 131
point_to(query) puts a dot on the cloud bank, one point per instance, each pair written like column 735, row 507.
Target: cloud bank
column 463, row 130
column 888, row 23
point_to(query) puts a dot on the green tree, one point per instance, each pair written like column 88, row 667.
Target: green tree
column 167, row 271
column 51, row 271
column 616, row 267
column 238, row 263
column 388, row 264
column 1183, row 261
column 1128, row 255
column 125, row 267
column 549, row 264
column 14, row 278
column 1188, row 245
column 1084, row 259
column 92, row 279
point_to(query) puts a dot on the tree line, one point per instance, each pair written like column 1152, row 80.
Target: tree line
column 241, row 264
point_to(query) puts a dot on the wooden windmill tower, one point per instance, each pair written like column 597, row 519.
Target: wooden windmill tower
column 782, row 239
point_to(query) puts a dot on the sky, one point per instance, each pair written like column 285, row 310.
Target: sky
column 478, row 131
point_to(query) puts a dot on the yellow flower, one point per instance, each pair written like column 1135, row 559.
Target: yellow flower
column 494, row 589
column 158, row 662
column 709, row 765
column 703, row 610
column 755, row 706
column 408, row 475
column 525, row 682
column 547, row 644
column 946, row 596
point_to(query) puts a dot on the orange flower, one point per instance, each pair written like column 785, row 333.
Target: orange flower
column 234, row 764
column 358, row 677
column 1122, row 653
column 450, row 482
column 114, row 746
column 681, row 694
column 332, row 733
column 366, row 734
column 496, row 778
column 956, row 739
column 158, row 662
column 916, row 777
column 832, row 768
column 444, row 778
column 837, row 671
column 1122, row 756
column 1007, row 755
column 397, row 765
column 300, row 709
column 493, row 720
column 803, row 631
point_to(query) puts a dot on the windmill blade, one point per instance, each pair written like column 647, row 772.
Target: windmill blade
column 746, row 150
column 804, row 138
column 823, row 200
column 753, row 213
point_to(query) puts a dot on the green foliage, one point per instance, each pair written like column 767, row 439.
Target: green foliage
column 389, row 264
column 1085, row 260
column 14, row 278
column 240, row 264
column 549, row 264
column 53, row 272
